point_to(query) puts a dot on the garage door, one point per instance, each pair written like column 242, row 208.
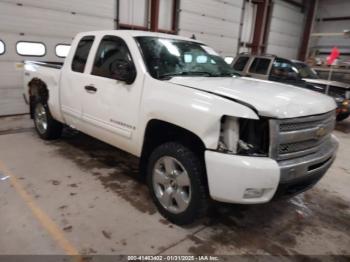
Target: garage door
column 215, row 22
column 36, row 27
column 286, row 29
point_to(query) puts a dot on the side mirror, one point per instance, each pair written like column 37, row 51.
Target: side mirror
column 123, row 70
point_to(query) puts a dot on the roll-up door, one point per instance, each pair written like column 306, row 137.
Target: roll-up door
column 286, row 30
column 215, row 22
column 37, row 23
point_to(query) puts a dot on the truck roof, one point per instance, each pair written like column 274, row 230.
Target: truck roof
column 136, row 33
column 260, row 55
column 269, row 56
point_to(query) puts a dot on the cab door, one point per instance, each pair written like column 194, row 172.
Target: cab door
column 73, row 81
column 110, row 106
column 286, row 72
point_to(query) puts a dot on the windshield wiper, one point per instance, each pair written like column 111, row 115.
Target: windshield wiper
column 227, row 75
column 186, row 73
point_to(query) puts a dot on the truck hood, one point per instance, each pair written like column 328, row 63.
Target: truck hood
column 268, row 98
column 327, row 82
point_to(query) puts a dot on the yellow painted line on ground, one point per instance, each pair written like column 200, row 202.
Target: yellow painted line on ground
column 51, row 227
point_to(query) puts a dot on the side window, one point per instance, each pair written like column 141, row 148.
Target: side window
column 62, row 50
column 82, row 53
column 111, row 54
column 240, row 63
column 260, row 66
column 283, row 69
column 2, row 47
column 30, row 48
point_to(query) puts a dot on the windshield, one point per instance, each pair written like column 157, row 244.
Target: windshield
column 305, row 71
column 166, row 58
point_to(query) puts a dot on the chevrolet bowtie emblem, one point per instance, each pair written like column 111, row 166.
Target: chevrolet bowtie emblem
column 321, row 131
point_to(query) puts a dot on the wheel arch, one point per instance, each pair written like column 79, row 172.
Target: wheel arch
column 37, row 89
column 158, row 132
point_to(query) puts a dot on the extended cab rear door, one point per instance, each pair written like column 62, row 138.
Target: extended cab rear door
column 73, row 81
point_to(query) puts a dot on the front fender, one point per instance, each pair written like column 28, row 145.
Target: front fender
column 194, row 110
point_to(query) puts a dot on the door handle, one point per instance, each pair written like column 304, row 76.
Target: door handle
column 91, row 89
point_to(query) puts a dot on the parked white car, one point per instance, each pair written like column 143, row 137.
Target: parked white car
column 200, row 130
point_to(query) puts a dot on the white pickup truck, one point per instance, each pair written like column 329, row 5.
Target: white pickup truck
column 201, row 131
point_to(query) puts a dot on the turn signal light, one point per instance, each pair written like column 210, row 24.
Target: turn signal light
column 253, row 193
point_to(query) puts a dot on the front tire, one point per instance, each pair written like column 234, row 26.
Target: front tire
column 175, row 177
column 46, row 127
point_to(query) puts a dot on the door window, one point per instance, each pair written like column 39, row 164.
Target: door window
column 241, row 63
column 260, row 66
column 82, row 53
column 111, row 54
column 282, row 69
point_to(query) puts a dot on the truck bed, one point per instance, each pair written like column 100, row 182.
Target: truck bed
column 57, row 65
column 47, row 72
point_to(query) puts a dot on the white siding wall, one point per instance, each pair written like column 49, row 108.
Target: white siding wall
column 165, row 14
column 134, row 12
column 50, row 22
column 334, row 8
column 215, row 22
column 137, row 12
column 286, row 30
column 248, row 25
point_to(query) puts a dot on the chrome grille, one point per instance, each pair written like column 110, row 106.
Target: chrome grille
column 295, row 147
column 296, row 137
column 297, row 126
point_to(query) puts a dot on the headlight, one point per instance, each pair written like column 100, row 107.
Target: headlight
column 229, row 134
column 244, row 136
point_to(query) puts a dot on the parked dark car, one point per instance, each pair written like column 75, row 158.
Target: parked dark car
column 297, row 73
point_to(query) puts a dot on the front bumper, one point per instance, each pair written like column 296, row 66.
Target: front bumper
column 230, row 177
column 298, row 175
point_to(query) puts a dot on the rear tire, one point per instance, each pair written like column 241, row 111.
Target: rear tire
column 175, row 177
column 46, row 127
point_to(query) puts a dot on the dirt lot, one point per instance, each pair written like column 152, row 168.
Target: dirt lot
column 79, row 195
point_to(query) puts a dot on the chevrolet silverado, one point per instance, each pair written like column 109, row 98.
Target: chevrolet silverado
column 200, row 130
